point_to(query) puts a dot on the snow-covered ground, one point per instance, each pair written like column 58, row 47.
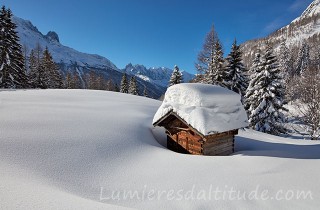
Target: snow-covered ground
column 81, row 149
column 296, row 128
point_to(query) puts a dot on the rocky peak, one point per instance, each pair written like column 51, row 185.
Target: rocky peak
column 52, row 36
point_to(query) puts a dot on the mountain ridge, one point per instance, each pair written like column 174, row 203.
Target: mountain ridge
column 70, row 60
column 303, row 29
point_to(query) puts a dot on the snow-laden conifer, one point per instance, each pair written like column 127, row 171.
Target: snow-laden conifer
column 124, row 84
column 176, row 76
column 12, row 71
column 265, row 95
column 236, row 73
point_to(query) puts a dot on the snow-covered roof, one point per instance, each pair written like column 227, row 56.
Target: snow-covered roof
column 207, row 108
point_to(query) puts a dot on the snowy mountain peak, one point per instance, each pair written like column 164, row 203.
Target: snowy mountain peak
column 155, row 79
column 159, row 76
column 52, row 36
column 304, row 29
column 25, row 25
column 312, row 10
column 30, row 37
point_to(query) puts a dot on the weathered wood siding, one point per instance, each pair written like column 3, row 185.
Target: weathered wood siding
column 184, row 139
column 219, row 144
column 188, row 141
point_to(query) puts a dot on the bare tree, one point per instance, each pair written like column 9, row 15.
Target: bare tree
column 210, row 60
column 205, row 57
column 309, row 98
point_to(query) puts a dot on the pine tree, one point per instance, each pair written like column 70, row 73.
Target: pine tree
column 303, row 60
column 133, row 87
column 176, row 76
column 12, row 73
column 236, row 73
column 52, row 74
column 124, row 84
column 266, row 96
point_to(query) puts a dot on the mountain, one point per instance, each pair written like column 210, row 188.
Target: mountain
column 71, row 60
column 30, row 37
column 159, row 76
column 305, row 28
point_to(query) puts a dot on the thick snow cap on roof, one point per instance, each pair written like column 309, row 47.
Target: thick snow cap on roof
column 207, row 108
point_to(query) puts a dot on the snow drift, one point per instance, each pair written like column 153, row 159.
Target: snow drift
column 207, row 108
column 80, row 149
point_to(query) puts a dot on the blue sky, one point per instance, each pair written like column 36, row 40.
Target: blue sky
column 155, row 32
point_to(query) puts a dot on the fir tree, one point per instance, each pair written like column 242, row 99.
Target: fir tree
column 236, row 76
column 133, row 87
column 12, row 73
column 266, row 96
column 176, row 76
column 124, row 84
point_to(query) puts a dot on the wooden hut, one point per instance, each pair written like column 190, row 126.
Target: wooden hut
column 184, row 135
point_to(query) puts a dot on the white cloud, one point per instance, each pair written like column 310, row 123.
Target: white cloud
column 274, row 25
column 298, row 5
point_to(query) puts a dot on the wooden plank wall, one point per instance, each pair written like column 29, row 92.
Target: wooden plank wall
column 220, row 144
column 183, row 139
column 191, row 143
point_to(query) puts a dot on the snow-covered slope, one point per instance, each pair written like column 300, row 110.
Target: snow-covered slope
column 81, row 149
column 159, row 76
column 305, row 28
